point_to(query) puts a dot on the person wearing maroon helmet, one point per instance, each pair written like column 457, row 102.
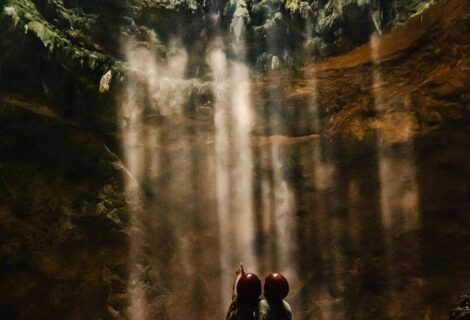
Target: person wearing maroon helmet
column 246, row 300
column 273, row 307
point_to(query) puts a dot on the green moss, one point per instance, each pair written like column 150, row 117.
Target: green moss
column 302, row 7
column 24, row 14
column 169, row 4
column 12, row 14
column 49, row 38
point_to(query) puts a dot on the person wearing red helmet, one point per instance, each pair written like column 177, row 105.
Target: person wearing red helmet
column 273, row 307
column 246, row 300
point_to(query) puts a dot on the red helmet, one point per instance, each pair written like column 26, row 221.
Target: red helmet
column 248, row 287
column 276, row 287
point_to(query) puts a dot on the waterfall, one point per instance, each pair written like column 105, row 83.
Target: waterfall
column 239, row 20
column 233, row 118
column 154, row 89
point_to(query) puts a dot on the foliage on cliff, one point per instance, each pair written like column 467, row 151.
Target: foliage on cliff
column 91, row 33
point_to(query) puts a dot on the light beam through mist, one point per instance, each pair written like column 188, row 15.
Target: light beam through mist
column 234, row 164
column 154, row 89
column 398, row 186
column 324, row 179
column 399, row 191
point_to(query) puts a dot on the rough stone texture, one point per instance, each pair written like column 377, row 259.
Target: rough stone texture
column 63, row 220
column 421, row 88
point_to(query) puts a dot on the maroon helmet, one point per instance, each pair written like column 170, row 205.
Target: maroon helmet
column 248, row 287
column 276, row 287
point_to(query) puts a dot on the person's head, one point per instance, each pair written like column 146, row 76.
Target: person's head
column 276, row 287
column 249, row 287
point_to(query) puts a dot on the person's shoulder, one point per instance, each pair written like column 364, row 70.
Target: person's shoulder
column 232, row 311
column 264, row 304
column 263, row 310
column 286, row 305
column 287, row 309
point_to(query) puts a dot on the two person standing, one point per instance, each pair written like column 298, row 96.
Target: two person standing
column 247, row 305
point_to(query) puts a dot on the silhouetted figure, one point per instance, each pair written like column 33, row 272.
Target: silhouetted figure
column 273, row 307
column 461, row 310
column 246, row 301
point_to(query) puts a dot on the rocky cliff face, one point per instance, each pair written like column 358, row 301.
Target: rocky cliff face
column 78, row 42
column 64, row 222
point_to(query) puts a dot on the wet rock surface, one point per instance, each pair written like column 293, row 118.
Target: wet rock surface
column 63, row 220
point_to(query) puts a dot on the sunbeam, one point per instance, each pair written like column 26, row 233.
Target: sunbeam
column 234, row 165
column 398, row 187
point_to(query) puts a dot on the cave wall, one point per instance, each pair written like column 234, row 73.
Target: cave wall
column 63, row 215
column 63, row 220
